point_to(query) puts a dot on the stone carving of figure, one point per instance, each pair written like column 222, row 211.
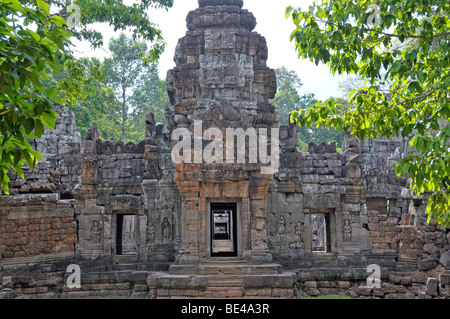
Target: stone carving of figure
column 96, row 233
column 347, row 231
column 281, row 225
column 166, row 231
column 151, row 232
column 298, row 237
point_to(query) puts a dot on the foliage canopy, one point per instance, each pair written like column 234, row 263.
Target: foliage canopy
column 137, row 87
column 402, row 50
column 35, row 41
column 288, row 98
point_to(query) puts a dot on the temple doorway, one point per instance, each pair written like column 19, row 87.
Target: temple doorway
column 126, row 235
column 223, row 229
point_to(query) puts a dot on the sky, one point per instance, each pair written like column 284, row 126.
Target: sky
column 271, row 23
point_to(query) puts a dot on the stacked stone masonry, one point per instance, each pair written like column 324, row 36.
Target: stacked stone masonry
column 140, row 225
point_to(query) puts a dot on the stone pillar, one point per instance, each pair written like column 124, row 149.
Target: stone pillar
column 189, row 250
column 89, row 163
column 258, row 204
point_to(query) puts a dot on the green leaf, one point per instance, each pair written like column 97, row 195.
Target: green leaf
column 38, row 128
column 44, row 6
column 51, row 92
column 17, row 156
column 30, row 57
column 414, row 87
column 58, row 21
column 28, row 159
column 29, row 125
column 48, row 120
column 19, row 171
column 36, row 155
column 40, row 107
column 34, row 35
column 420, row 75
column 289, row 9
column 34, row 77
column 419, row 180
column 337, row 35
column 58, row 100
column 15, row 4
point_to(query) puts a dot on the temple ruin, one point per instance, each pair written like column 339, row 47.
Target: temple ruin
column 139, row 225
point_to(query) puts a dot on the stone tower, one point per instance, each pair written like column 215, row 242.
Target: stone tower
column 221, row 81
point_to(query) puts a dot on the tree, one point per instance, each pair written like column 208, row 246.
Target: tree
column 406, row 43
column 288, row 99
column 117, row 14
column 136, row 84
column 30, row 40
column 97, row 101
column 35, row 43
column 151, row 95
column 99, row 105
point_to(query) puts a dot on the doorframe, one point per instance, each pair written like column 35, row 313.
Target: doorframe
column 237, row 226
column 332, row 238
column 114, row 230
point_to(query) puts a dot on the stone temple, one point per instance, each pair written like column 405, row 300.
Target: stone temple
column 139, row 224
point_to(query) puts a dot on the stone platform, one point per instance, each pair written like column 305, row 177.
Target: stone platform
column 225, row 278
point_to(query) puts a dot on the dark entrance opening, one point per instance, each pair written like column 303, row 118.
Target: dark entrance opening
column 320, row 230
column 126, row 235
column 223, row 229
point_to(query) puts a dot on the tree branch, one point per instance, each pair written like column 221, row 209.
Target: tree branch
column 390, row 35
column 134, row 119
column 420, row 97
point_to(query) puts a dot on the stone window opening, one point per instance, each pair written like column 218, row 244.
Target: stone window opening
column 126, row 235
column 416, row 206
column 320, row 233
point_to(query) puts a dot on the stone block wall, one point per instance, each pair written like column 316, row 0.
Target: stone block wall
column 425, row 243
column 46, row 277
column 39, row 215
column 437, row 288
column 383, row 231
column 36, row 224
column 119, row 283
column 321, row 181
column 133, row 180
column 385, row 191
column 59, row 172
column 352, row 282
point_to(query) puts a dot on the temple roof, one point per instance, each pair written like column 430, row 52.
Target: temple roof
column 220, row 14
column 205, row 3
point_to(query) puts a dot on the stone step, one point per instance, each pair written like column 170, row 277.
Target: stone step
column 128, row 266
column 224, row 292
column 35, row 260
column 224, row 281
column 225, row 260
column 238, row 269
column 224, row 277
column 220, row 285
column 235, row 284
